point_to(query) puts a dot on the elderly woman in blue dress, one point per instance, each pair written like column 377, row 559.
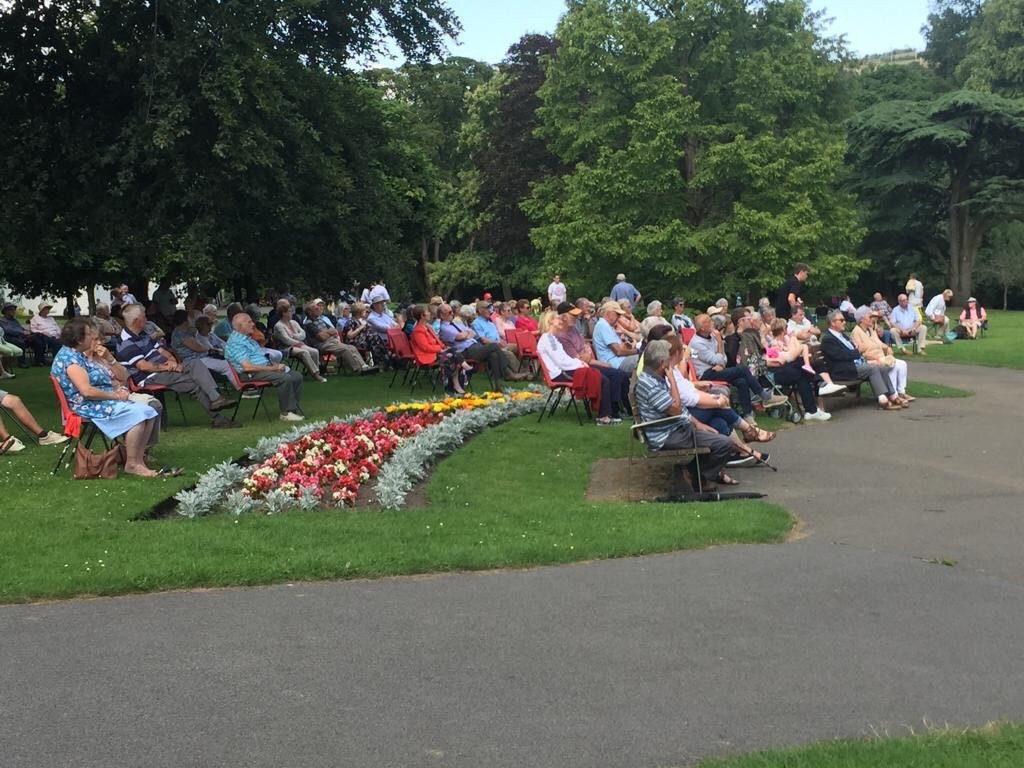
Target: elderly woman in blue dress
column 87, row 375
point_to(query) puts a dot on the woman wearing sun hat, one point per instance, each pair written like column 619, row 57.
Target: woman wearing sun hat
column 972, row 317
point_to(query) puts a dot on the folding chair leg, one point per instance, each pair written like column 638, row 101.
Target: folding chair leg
column 393, row 377
column 575, row 409
column 24, row 430
column 551, row 394
column 63, row 453
column 181, row 407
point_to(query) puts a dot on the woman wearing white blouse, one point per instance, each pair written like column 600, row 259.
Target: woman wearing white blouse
column 293, row 338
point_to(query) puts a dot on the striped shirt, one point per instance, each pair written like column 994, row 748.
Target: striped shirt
column 653, row 399
column 131, row 349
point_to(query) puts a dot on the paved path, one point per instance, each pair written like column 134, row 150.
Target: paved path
column 639, row 662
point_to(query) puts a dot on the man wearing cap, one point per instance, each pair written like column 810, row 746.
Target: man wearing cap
column 608, row 345
column 707, row 350
column 556, row 292
column 487, row 331
column 324, row 336
column 46, row 328
column 561, row 366
column 576, row 346
column 936, row 313
column 623, row 290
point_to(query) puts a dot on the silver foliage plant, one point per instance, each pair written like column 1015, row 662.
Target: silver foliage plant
column 217, row 490
column 411, row 461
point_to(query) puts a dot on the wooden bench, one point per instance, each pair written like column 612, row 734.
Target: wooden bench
column 679, row 458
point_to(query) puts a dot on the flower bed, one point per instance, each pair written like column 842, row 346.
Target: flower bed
column 325, row 464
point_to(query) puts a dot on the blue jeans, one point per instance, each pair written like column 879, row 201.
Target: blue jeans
column 722, row 420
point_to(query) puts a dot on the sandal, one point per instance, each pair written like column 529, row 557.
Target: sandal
column 757, row 435
column 724, row 479
column 170, row 472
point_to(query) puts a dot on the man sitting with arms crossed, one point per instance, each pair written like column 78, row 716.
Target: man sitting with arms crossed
column 802, row 328
column 324, row 336
column 150, row 362
column 906, row 324
column 247, row 358
column 707, row 349
column 608, row 346
column 658, row 400
column 847, row 364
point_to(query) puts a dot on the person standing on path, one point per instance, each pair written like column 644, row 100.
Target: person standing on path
column 915, row 293
column 788, row 296
column 623, row 290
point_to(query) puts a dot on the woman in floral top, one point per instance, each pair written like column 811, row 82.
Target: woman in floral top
column 86, row 378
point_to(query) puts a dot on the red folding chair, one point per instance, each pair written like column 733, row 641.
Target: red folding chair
column 74, row 426
column 510, row 336
column 248, row 386
column 687, row 335
column 526, row 344
column 557, row 389
column 401, row 354
column 159, row 391
column 401, row 349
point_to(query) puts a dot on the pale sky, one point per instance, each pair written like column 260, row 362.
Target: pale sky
column 870, row 26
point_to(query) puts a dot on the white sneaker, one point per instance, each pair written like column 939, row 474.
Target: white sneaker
column 52, row 438
column 6, row 375
column 818, row 415
column 251, row 394
column 292, row 417
column 17, row 446
column 830, row 389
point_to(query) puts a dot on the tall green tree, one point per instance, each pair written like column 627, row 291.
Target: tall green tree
column 705, row 147
column 946, row 36
column 221, row 140
column 995, row 57
column 1001, row 261
column 961, row 154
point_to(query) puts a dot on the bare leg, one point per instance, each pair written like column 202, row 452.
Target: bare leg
column 135, row 441
column 13, row 402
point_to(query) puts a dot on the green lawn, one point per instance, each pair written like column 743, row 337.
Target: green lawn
column 512, row 497
column 994, row 746
column 1000, row 348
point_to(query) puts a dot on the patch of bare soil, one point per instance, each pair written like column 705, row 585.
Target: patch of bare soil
column 618, row 480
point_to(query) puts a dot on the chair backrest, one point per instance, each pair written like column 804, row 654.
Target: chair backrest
column 687, row 335
column 510, row 336
column 527, row 344
column 399, row 345
column 233, row 377
column 72, row 422
column 691, row 370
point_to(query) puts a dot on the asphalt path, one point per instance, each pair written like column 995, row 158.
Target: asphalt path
column 900, row 606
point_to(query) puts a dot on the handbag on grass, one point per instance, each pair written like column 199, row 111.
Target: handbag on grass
column 97, row 466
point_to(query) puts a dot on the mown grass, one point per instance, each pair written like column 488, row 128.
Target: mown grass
column 994, row 746
column 930, row 389
column 511, row 497
column 1001, row 347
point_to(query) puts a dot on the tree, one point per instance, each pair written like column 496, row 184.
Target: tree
column 704, row 145
column 946, row 35
column 995, row 57
column 1001, row 261
column 964, row 151
column 221, row 140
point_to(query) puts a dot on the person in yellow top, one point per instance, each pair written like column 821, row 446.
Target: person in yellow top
column 865, row 339
column 915, row 294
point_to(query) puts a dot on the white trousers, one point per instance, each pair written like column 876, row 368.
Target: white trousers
column 898, row 376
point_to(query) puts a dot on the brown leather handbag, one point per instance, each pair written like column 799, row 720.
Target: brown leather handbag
column 97, row 466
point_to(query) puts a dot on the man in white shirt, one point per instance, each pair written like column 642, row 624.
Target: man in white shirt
column 43, row 324
column 936, row 313
column 802, row 328
column 556, row 292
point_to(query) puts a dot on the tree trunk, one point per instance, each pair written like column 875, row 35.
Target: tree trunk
column 1005, row 292
column 964, row 240
column 428, row 284
column 90, row 297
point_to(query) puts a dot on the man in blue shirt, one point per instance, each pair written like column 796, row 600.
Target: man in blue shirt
column 623, row 290
column 905, row 323
column 608, row 346
column 149, row 362
column 251, row 364
column 487, row 331
column 463, row 339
